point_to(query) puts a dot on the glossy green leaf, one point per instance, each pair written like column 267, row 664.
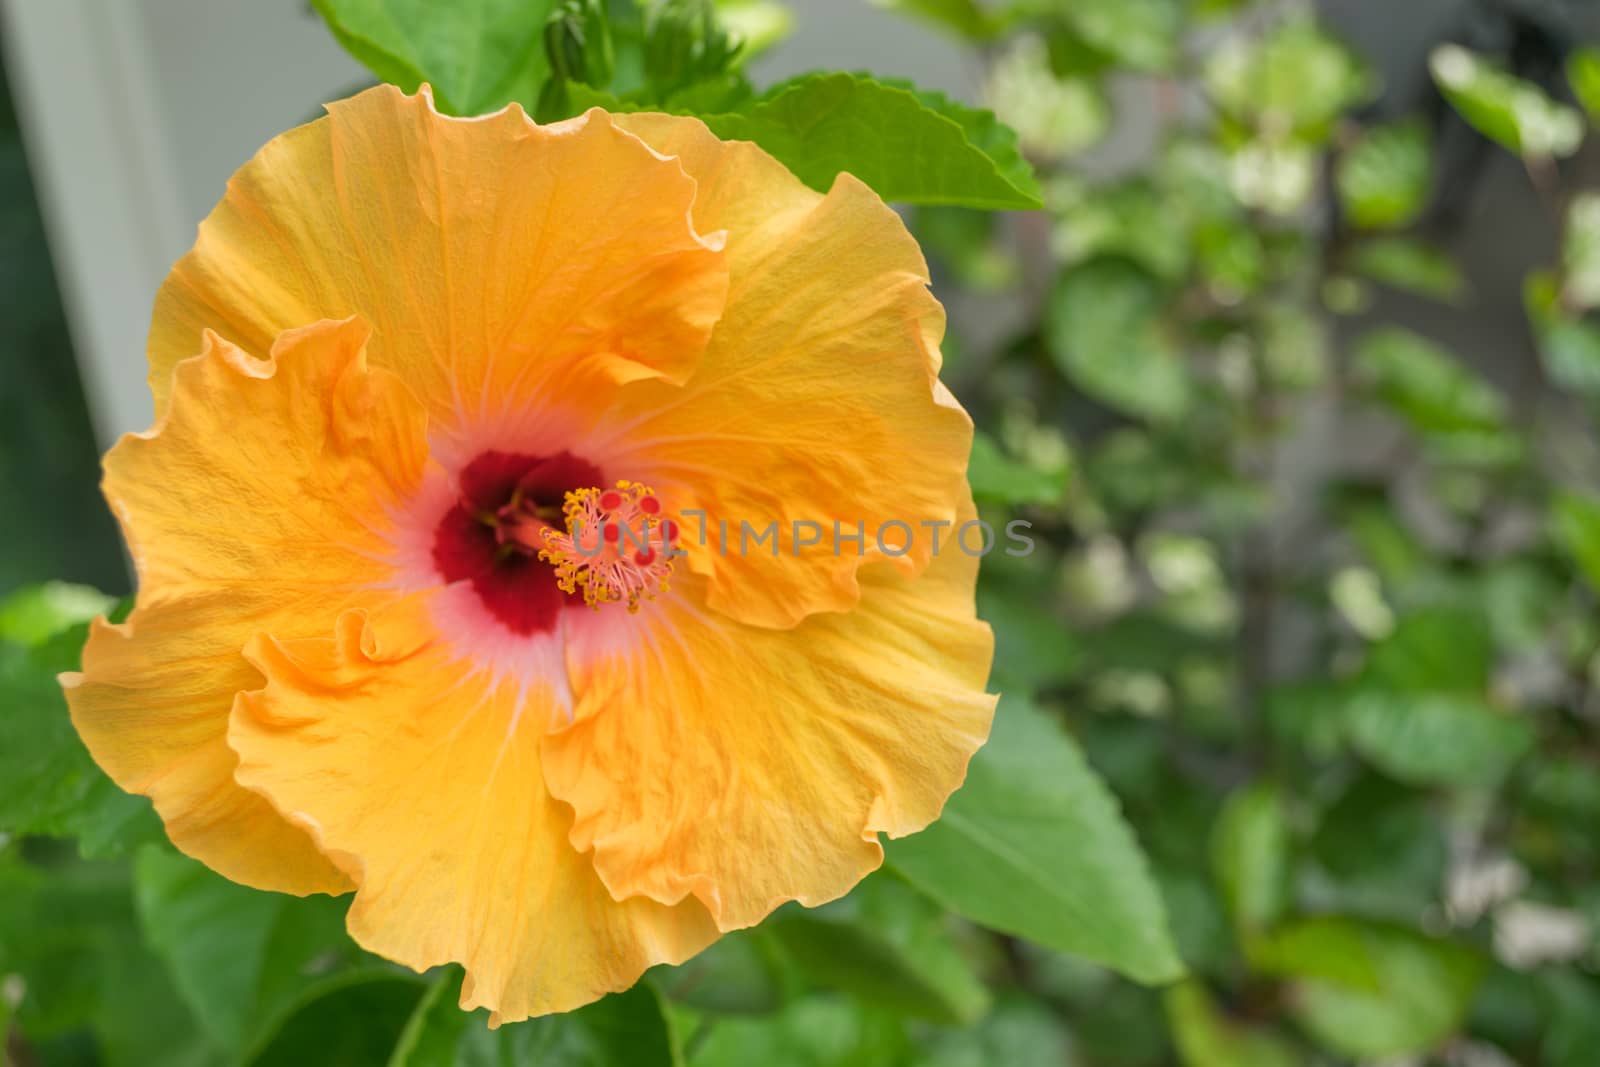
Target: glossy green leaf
column 1250, row 856
column 1515, row 114
column 1033, row 647
column 1106, row 333
column 77, row 968
column 887, row 947
column 742, row 973
column 1207, row 1038
column 1570, row 349
column 1575, row 524
column 1423, row 989
column 478, row 55
column 1378, row 850
column 1017, row 1031
column 997, row 477
column 1570, row 1032
column 817, row 1031
column 1435, row 649
column 356, row 1018
column 1569, row 343
column 1034, row 845
column 240, row 957
column 1583, row 72
column 1327, row 947
column 31, row 615
column 1385, row 179
column 909, row 146
column 51, row 785
column 628, row 1029
column 1426, row 385
column 1436, row 739
column 1410, row 265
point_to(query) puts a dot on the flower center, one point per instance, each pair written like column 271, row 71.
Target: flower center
column 490, row 538
column 616, row 548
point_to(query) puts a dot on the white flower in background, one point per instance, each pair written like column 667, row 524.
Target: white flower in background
column 1358, row 595
column 1474, row 886
column 1527, row 934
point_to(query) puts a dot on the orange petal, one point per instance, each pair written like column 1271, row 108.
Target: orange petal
column 818, row 398
column 152, row 704
column 254, row 505
column 490, row 254
column 426, row 780
column 750, row 766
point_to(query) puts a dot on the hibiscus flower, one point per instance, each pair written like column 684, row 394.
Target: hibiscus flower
column 409, row 360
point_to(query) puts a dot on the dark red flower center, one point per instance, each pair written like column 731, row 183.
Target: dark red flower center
column 490, row 537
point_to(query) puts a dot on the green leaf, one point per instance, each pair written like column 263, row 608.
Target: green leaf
column 1571, row 1029
column 742, row 973
column 1298, row 79
column 965, row 242
column 52, row 786
column 909, row 146
column 1379, row 850
column 1407, row 264
column 1423, row 990
column 1207, row 1038
column 1034, row 845
column 1426, row 385
column 1571, row 352
column 966, row 19
column 1250, row 856
column 1583, row 72
column 1436, row 648
column 1105, row 331
column 818, row 1031
column 1569, row 345
column 1032, row 646
column 68, row 933
column 1141, row 34
column 998, row 478
column 1384, row 181
column 1017, row 1033
column 1317, row 947
column 478, row 55
column 1114, row 220
column 1436, row 739
column 32, row 614
column 629, row 1029
column 887, row 947
column 758, row 24
column 1513, row 113
column 1575, row 524
column 355, row 1018
column 240, row 957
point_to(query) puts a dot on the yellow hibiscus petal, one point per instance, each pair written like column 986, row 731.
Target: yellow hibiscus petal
column 152, row 705
column 256, row 504
column 748, row 766
column 426, row 780
column 484, row 262
column 817, row 400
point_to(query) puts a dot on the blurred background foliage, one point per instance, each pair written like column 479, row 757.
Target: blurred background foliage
column 1298, row 758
